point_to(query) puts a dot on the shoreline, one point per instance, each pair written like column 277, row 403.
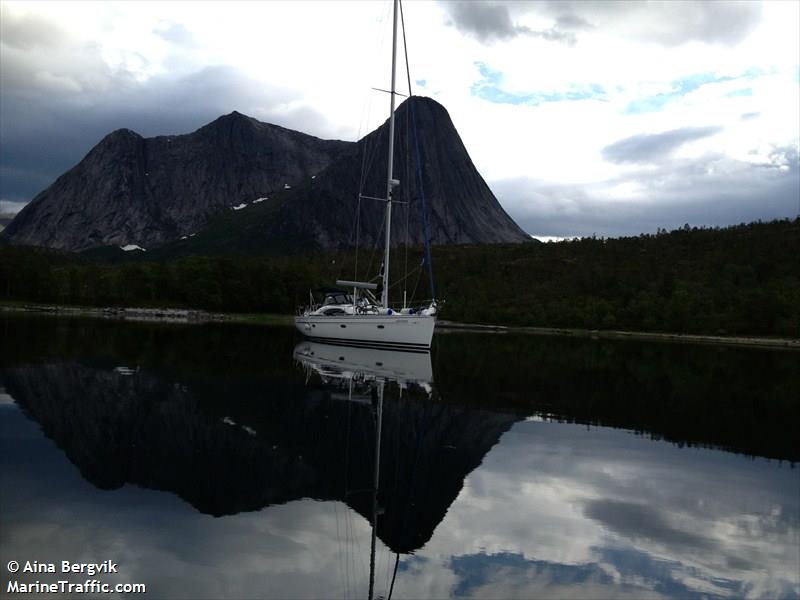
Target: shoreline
column 688, row 338
column 178, row 315
column 167, row 315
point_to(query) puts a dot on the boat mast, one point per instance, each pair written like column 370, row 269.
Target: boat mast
column 390, row 182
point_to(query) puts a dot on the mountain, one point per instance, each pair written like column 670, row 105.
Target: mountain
column 461, row 207
column 321, row 212
column 149, row 192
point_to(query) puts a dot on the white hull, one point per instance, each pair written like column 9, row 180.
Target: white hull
column 401, row 332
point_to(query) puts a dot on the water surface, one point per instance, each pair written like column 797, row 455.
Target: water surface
column 239, row 462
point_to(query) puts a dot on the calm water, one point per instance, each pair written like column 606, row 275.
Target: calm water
column 239, row 462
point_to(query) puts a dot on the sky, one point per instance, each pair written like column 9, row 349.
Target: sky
column 605, row 118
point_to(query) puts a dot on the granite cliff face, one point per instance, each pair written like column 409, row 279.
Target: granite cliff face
column 461, row 207
column 131, row 190
column 148, row 191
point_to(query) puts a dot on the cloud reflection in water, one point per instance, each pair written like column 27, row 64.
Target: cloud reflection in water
column 555, row 510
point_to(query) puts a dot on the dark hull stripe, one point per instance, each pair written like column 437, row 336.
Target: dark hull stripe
column 375, row 345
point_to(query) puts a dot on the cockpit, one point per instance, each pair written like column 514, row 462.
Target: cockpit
column 337, row 297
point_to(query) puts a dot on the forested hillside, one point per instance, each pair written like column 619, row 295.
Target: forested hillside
column 738, row 280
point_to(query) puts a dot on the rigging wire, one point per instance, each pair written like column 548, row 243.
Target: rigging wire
column 339, row 549
column 416, row 285
column 405, row 47
column 407, row 275
column 407, row 186
column 375, row 244
column 407, row 196
column 394, row 575
column 421, row 190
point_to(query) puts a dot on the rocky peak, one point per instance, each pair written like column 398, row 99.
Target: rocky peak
column 121, row 134
column 149, row 191
column 461, row 208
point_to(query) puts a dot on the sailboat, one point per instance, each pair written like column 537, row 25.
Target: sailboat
column 357, row 313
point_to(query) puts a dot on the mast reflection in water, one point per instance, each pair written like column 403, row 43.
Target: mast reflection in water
column 364, row 373
column 507, row 466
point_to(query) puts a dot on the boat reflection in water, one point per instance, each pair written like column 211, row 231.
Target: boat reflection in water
column 364, row 373
column 341, row 363
column 420, row 448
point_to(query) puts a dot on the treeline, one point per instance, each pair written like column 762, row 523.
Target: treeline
column 216, row 284
column 737, row 280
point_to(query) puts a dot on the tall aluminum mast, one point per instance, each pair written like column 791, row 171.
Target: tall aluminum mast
column 390, row 182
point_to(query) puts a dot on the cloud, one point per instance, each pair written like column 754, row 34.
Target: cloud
column 706, row 191
column 571, row 21
column 654, row 146
column 635, row 520
column 27, row 31
column 709, row 21
column 484, row 20
column 10, row 208
column 59, row 97
column 583, row 509
column 45, row 134
column 511, row 575
column 667, row 23
column 174, row 32
column 491, row 21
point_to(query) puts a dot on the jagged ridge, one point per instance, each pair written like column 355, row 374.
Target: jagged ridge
column 321, row 212
column 153, row 191
column 148, row 191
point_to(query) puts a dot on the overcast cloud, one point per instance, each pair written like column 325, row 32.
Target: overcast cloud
column 584, row 117
column 489, row 21
column 707, row 192
column 650, row 147
column 668, row 23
